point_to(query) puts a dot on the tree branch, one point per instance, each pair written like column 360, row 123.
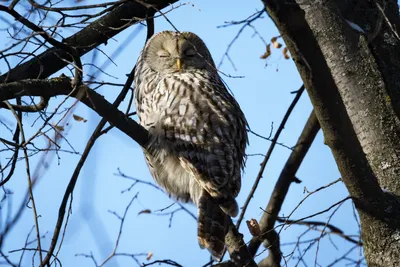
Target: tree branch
column 269, row 153
column 334, row 230
column 98, row 32
column 339, row 133
column 64, row 48
column 328, row 106
column 62, row 86
column 282, row 185
column 362, row 88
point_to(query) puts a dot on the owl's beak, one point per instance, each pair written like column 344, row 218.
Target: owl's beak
column 179, row 64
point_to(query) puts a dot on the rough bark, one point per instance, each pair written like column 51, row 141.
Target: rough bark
column 379, row 212
column 379, row 18
column 362, row 89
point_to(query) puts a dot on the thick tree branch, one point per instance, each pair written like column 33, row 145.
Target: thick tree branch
column 339, row 134
column 382, row 17
column 98, row 32
column 362, row 89
column 328, row 106
column 68, row 50
column 238, row 251
column 95, row 101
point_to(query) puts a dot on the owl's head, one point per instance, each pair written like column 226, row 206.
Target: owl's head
column 168, row 52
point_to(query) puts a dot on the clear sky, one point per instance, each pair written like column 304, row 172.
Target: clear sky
column 264, row 95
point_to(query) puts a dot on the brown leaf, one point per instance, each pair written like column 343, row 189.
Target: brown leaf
column 254, row 227
column 146, row 211
column 285, row 53
column 275, row 42
column 78, row 118
column 277, row 45
column 267, row 53
column 59, row 128
column 149, row 255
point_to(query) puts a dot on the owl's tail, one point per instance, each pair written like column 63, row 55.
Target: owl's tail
column 212, row 226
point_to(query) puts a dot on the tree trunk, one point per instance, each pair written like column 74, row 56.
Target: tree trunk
column 349, row 92
column 362, row 89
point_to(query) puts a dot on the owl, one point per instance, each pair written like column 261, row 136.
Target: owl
column 198, row 131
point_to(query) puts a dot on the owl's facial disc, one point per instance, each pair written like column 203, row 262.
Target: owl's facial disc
column 181, row 55
column 171, row 52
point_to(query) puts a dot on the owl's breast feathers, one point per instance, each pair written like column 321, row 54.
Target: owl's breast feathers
column 203, row 126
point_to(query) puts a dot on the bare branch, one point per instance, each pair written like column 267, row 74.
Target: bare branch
column 29, row 108
column 79, row 166
column 282, row 185
column 30, row 184
column 163, row 262
column 122, row 219
column 334, row 230
column 268, row 155
column 58, row 86
column 62, row 86
column 98, row 32
column 64, row 48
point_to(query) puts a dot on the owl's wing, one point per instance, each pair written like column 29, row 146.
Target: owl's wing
column 213, row 149
column 216, row 172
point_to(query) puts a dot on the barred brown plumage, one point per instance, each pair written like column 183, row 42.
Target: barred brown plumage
column 198, row 131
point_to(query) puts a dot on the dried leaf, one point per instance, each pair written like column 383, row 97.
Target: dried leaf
column 267, row 53
column 149, row 255
column 146, row 211
column 59, row 128
column 285, row 53
column 78, row 118
column 275, row 43
column 254, row 227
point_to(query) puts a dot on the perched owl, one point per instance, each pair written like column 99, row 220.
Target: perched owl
column 198, row 132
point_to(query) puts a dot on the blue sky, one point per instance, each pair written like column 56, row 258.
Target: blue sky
column 264, row 95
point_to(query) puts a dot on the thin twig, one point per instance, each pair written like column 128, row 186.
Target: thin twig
column 122, row 219
column 268, row 155
column 30, row 187
column 75, row 175
column 282, row 185
column 334, row 230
